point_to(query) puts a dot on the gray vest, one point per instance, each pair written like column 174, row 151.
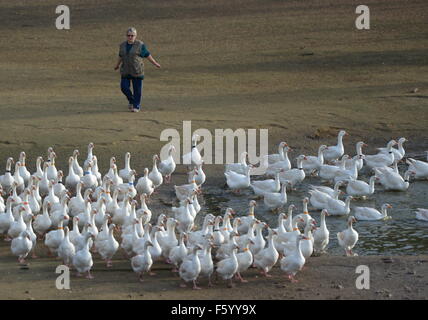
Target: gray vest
column 132, row 62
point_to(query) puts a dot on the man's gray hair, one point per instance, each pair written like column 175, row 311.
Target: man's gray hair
column 132, row 29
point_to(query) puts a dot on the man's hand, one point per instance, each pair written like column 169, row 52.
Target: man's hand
column 117, row 67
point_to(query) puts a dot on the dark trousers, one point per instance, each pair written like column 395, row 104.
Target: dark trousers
column 137, row 87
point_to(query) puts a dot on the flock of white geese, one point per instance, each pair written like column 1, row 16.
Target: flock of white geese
column 89, row 214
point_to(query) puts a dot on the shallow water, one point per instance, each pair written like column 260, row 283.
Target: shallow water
column 401, row 235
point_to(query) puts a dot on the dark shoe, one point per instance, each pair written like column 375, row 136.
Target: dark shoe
column 130, row 106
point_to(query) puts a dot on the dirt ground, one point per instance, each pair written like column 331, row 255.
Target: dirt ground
column 300, row 69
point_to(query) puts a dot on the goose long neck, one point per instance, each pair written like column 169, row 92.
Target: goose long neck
column 128, row 162
column 384, row 211
column 400, row 147
column 359, row 149
column 321, row 155
column 8, row 165
column 322, row 223
column 347, row 203
column 339, row 140
column 305, row 207
column 90, row 153
column 308, row 228
column 298, row 247
column 244, row 159
column 299, row 163
column 270, row 242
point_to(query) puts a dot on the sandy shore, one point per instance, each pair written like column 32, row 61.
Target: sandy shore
column 300, row 70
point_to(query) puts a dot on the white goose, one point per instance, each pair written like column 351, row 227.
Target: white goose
column 190, row 268
column 193, row 157
column 95, row 171
column 170, row 240
column 155, row 176
column 52, row 172
column 321, row 234
column 108, row 247
column 72, row 178
column 179, row 252
column 393, row 181
column 20, row 184
column 248, row 219
column 348, row 237
column 6, row 218
column 7, row 179
column 240, row 167
column 276, row 157
column 419, row 167
column 328, row 172
column 76, row 166
column 283, row 164
column 266, row 258
column 313, row 163
column 259, row 241
column 18, row 225
column 296, row 175
column 381, row 159
column 274, row 200
column 77, row 203
column 111, row 174
column 262, row 186
column 359, row 149
column 186, row 190
column 295, row 261
column 167, row 166
column 44, row 181
column 366, row 213
column 319, row 199
column 39, row 171
column 128, row 189
column 23, row 171
column 245, row 259
column 183, row 215
column 82, row 260
column 126, row 171
column 236, row 181
column 348, row 174
column 21, row 246
column 58, row 185
column 142, row 262
column 228, row 267
column 144, row 184
column 51, row 197
column 54, row 238
column 89, row 156
column 422, row 214
column 398, row 153
column 359, row 188
column 338, row 207
column 207, row 264
column 43, row 222
column 218, row 237
column 335, row 152
column 66, row 249
column 89, row 180
column 199, row 176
